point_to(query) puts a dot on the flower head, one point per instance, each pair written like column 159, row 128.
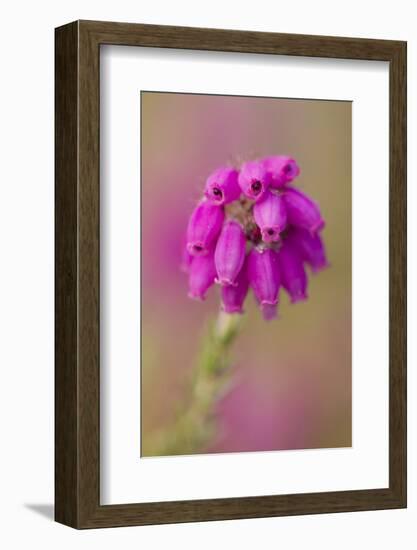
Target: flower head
column 260, row 239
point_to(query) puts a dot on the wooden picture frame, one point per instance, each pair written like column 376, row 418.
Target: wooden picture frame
column 77, row 372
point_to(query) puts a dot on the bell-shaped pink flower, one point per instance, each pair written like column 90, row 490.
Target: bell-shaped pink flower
column 233, row 296
column 222, row 186
column 254, row 179
column 293, row 275
column 201, row 277
column 204, row 227
column 283, row 170
column 271, row 216
column 302, row 211
column 264, row 278
column 230, row 252
column 310, row 247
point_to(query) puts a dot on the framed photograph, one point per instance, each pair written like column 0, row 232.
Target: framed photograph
column 230, row 274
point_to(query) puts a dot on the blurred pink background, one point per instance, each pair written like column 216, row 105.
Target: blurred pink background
column 293, row 375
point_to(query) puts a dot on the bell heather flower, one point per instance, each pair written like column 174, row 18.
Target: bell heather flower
column 283, row 170
column 222, row 186
column 254, row 179
column 202, row 275
column 260, row 239
column 310, row 247
column 302, row 211
column 293, row 275
column 230, row 252
column 271, row 216
column 204, row 227
column 264, row 278
column 233, row 296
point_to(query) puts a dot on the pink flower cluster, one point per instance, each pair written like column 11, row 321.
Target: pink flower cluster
column 254, row 229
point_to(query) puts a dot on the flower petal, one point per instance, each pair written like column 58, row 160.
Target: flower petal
column 271, row 215
column 264, row 278
column 302, row 211
column 283, row 170
column 233, row 296
column 201, row 276
column 222, row 186
column 293, row 275
column 230, row 252
column 254, row 179
column 204, row 227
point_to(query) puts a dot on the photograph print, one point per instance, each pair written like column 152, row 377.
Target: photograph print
column 246, row 291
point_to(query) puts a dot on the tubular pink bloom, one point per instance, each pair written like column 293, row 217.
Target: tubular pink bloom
column 254, row 179
column 302, row 211
column 233, row 296
column 230, row 252
column 264, row 278
column 271, row 215
column 283, row 169
column 222, row 186
column 310, row 247
column 201, row 277
column 293, row 275
column 204, row 227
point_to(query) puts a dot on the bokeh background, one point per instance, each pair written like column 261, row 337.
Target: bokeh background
column 292, row 376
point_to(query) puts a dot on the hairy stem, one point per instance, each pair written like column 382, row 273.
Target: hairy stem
column 195, row 420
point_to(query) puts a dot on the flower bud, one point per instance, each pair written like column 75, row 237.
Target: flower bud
column 204, row 227
column 233, row 296
column 201, row 276
column 310, row 247
column 230, row 252
column 222, row 186
column 283, row 169
column 302, row 211
column 264, row 278
column 271, row 216
column 293, row 275
column 254, row 179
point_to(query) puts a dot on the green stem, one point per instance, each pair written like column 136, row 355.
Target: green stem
column 195, row 420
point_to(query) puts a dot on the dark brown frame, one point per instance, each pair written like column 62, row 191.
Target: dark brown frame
column 77, row 372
